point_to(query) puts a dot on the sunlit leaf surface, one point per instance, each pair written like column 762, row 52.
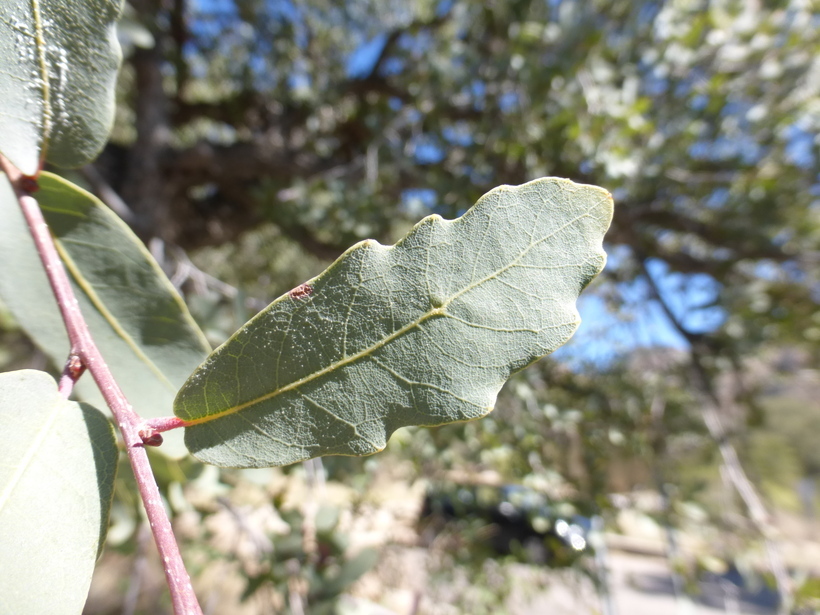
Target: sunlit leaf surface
column 58, row 67
column 57, row 468
column 421, row 333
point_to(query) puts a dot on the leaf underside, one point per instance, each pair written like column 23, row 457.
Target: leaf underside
column 137, row 319
column 421, row 333
column 57, row 469
column 58, row 68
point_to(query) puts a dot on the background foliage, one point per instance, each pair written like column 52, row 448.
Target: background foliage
column 257, row 140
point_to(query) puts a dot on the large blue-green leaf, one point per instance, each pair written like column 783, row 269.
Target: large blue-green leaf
column 137, row 319
column 422, row 333
column 58, row 67
column 57, row 466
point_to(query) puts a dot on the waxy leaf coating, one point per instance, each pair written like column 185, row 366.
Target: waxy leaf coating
column 58, row 68
column 421, row 333
column 57, row 467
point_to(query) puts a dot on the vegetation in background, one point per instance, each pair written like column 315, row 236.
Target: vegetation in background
column 255, row 141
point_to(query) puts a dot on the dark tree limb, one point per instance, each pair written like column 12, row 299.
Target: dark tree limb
column 143, row 187
column 179, row 35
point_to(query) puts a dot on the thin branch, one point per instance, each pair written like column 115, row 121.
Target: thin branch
column 690, row 337
column 411, row 28
column 83, row 346
column 261, row 543
column 158, row 425
column 734, row 469
column 179, row 34
column 107, row 194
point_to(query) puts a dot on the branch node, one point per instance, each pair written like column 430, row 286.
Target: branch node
column 73, row 369
column 149, row 437
column 74, row 366
column 28, row 184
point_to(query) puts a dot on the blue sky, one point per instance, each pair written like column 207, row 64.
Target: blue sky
column 604, row 334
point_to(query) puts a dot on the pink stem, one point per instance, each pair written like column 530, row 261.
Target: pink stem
column 165, row 423
column 83, row 346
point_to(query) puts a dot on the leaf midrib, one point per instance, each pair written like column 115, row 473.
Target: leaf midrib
column 112, row 321
column 89, row 291
column 40, row 44
column 439, row 311
column 26, row 461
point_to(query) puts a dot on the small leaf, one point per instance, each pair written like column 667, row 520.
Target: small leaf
column 356, row 567
column 58, row 68
column 137, row 319
column 422, row 333
column 57, row 469
column 350, row 571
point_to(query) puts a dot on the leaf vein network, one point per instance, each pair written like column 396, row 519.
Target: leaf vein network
column 268, row 435
column 18, row 28
column 428, row 385
column 294, row 385
column 516, row 260
column 353, row 426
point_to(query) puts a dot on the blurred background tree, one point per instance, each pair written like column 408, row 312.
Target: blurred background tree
column 256, row 140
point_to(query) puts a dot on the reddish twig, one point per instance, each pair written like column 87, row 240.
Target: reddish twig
column 165, row 423
column 72, row 371
column 151, row 430
column 129, row 422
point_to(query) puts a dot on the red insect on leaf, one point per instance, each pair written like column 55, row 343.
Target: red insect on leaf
column 301, row 291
